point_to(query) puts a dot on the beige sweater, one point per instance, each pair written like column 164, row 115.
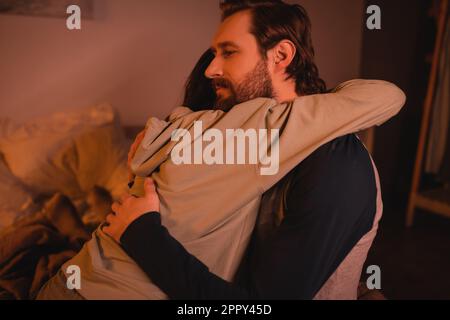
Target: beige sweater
column 211, row 209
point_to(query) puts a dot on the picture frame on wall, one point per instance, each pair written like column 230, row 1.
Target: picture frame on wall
column 45, row 8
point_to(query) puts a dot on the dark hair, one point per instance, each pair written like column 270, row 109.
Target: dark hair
column 199, row 93
column 274, row 21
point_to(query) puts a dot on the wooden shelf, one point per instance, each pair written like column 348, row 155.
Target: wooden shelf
column 436, row 201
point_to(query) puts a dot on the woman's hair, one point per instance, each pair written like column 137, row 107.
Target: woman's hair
column 199, row 93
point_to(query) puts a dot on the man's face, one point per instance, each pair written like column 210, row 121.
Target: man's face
column 238, row 71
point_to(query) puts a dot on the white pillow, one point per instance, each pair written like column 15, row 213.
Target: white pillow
column 67, row 152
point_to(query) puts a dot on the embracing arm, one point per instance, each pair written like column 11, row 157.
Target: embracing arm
column 353, row 105
column 171, row 267
column 312, row 121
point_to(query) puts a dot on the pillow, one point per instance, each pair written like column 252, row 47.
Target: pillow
column 99, row 158
column 68, row 152
column 15, row 200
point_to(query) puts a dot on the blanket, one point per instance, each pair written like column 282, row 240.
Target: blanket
column 33, row 249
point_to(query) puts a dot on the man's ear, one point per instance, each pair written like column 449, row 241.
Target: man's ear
column 282, row 54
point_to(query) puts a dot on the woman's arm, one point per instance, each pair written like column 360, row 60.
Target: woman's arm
column 311, row 121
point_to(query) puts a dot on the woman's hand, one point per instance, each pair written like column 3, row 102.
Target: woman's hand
column 132, row 152
column 130, row 209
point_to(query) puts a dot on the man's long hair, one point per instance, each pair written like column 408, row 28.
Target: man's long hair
column 274, row 21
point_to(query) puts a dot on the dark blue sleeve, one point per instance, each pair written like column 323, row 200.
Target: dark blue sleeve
column 330, row 205
column 179, row 274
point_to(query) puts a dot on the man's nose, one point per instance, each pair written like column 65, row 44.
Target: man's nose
column 214, row 70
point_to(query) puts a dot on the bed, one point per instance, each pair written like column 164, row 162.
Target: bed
column 58, row 177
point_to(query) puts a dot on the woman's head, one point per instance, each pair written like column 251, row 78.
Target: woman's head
column 199, row 93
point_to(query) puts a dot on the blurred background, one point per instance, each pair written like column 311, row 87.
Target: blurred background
column 135, row 57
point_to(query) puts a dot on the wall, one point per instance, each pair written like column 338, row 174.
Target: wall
column 137, row 54
column 397, row 53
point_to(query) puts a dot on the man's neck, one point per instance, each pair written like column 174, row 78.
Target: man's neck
column 285, row 92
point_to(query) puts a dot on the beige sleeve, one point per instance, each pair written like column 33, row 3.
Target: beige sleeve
column 312, row 121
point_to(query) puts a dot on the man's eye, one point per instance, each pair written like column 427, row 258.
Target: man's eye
column 227, row 54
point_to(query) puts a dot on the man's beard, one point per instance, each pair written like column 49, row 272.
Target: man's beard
column 256, row 84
